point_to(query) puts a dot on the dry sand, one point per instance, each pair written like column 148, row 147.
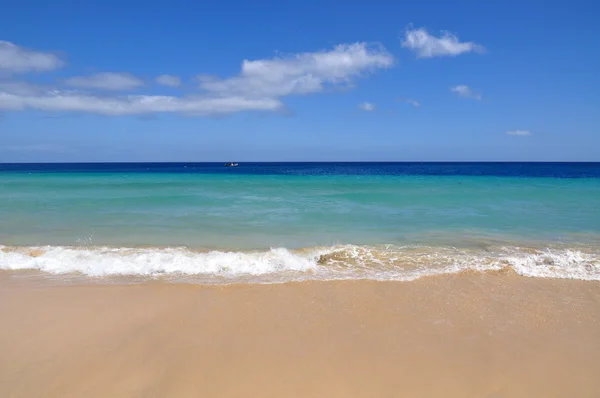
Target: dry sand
column 466, row 335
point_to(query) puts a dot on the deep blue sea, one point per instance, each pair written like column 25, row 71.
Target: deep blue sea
column 296, row 221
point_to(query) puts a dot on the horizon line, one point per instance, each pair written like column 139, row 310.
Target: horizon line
column 310, row 161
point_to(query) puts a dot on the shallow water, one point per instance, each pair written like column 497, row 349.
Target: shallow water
column 275, row 222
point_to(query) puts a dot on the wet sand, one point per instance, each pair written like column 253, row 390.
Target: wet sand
column 487, row 335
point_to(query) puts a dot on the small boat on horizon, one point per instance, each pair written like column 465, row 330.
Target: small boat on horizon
column 231, row 164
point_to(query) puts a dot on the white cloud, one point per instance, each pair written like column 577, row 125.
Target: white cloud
column 169, row 80
column 300, row 73
column 18, row 59
column 133, row 104
column 466, row 92
column 428, row 46
column 260, row 86
column 106, row 81
column 518, row 132
column 19, row 88
column 366, row 106
column 410, row 101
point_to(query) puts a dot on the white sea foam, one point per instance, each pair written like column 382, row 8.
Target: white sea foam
column 280, row 264
column 565, row 264
column 152, row 261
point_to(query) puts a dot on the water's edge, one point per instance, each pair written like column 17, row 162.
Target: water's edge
column 343, row 262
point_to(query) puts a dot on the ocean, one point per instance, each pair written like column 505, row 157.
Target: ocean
column 277, row 222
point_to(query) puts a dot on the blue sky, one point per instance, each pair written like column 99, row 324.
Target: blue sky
column 272, row 81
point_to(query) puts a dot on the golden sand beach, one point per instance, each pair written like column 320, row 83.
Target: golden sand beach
column 489, row 335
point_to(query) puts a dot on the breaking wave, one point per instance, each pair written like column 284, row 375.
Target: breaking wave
column 318, row 263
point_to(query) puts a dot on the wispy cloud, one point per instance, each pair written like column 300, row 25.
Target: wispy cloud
column 426, row 45
column 519, row 132
column 300, row 73
column 366, row 106
column 466, row 92
column 58, row 101
column 18, row 59
column 19, row 88
column 410, row 101
column 168, row 80
column 106, row 81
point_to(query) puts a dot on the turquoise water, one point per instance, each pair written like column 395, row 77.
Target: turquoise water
column 253, row 212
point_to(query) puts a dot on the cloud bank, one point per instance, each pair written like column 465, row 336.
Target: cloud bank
column 260, row 85
column 133, row 104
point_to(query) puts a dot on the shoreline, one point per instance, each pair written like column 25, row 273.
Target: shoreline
column 493, row 334
column 280, row 265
